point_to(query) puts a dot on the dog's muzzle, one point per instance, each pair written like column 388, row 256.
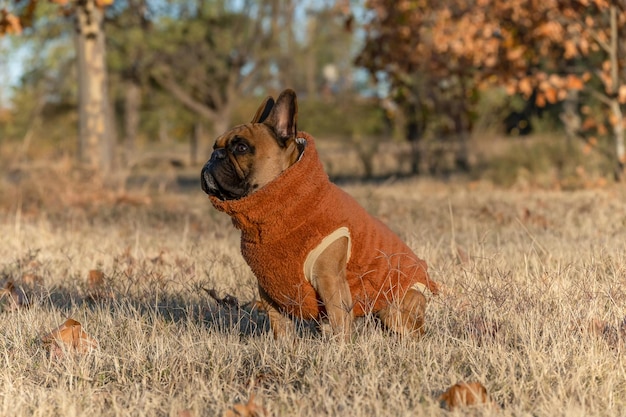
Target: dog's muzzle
column 218, row 178
column 207, row 180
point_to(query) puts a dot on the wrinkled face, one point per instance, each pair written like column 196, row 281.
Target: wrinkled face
column 245, row 159
column 249, row 156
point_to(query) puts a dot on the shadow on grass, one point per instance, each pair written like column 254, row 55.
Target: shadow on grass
column 227, row 316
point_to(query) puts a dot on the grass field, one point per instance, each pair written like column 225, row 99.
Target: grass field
column 533, row 307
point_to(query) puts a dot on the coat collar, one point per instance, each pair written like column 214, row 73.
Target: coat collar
column 283, row 204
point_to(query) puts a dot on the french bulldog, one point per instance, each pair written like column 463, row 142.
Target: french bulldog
column 315, row 252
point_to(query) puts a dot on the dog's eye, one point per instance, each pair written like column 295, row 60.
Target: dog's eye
column 241, row 148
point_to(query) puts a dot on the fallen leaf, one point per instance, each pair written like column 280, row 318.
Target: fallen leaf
column 250, row 409
column 464, row 394
column 68, row 337
column 12, row 298
column 32, row 279
column 95, row 278
column 96, row 286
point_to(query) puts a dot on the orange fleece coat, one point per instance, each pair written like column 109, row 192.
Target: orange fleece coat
column 282, row 222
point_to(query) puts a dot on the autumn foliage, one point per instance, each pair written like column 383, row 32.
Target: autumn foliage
column 551, row 51
column 9, row 23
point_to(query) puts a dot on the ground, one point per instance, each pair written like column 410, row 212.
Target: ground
column 533, row 307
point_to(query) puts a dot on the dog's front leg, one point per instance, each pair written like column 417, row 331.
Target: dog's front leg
column 279, row 323
column 329, row 280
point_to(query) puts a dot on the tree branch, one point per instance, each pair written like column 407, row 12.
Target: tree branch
column 182, row 96
column 603, row 98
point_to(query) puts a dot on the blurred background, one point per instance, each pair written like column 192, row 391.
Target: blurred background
column 132, row 93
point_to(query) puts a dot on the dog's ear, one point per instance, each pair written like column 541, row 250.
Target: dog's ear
column 283, row 117
column 264, row 110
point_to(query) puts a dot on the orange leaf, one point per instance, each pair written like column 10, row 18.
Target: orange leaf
column 588, row 123
column 516, row 53
column 463, row 394
column 570, row 49
column 250, row 409
column 9, row 23
column 68, row 337
column 96, row 286
column 96, row 278
column 551, row 95
column 574, row 83
column 540, row 101
column 12, row 298
column 525, row 86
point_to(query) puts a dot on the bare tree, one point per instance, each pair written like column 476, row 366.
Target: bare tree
column 95, row 131
column 95, row 139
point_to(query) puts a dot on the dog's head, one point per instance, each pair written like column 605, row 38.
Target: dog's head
column 251, row 155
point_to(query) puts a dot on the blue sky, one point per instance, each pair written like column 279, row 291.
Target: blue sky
column 10, row 69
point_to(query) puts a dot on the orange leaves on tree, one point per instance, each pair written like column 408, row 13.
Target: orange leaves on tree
column 570, row 49
column 525, row 86
column 68, row 338
column 464, row 394
column 516, row 53
column 551, row 30
column 540, row 100
column 574, row 82
column 589, row 123
column 551, row 95
column 9, row 23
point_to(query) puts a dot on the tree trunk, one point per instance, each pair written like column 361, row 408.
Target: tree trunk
column 570, row 116
column 415, row 114
column 95, row 148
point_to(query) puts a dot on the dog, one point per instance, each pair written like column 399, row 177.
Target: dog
column 315, row 252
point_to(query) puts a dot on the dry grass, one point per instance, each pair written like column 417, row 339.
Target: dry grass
column 534, row 308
